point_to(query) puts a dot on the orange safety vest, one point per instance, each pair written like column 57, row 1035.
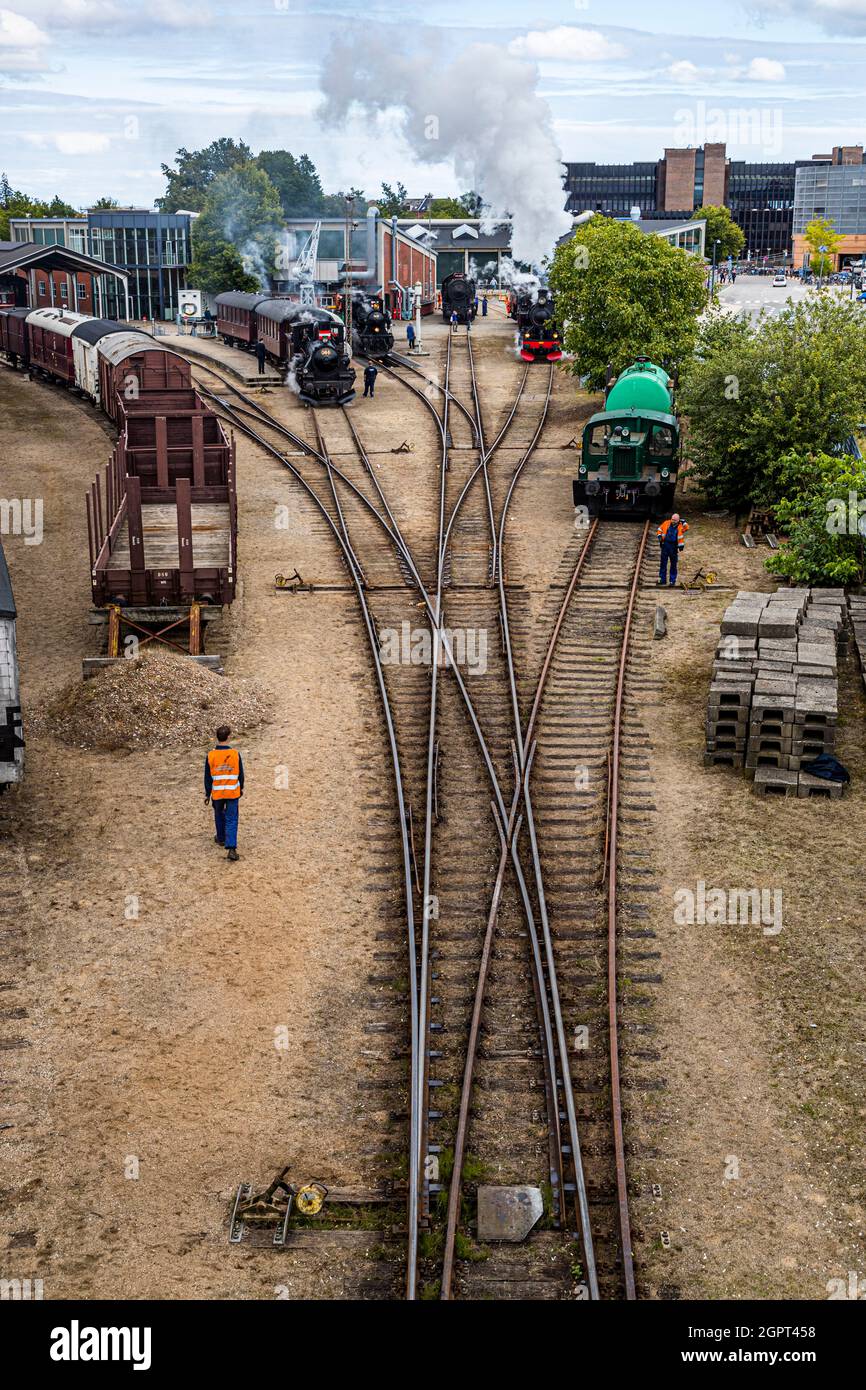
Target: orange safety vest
column 682, row 527
column 225, row 766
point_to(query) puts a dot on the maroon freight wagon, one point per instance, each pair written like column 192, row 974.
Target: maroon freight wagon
column 165, row 531
column 14, row 338
column 132, row 365
column 51, row 341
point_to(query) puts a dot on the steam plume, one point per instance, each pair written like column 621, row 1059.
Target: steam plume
column 480, row 109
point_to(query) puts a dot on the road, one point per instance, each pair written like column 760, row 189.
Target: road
column 751, row 294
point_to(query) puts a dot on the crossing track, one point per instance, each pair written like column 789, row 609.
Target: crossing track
column 470, row 574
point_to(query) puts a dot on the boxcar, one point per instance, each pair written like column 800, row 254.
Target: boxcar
column 11, row 740
column 14, row 338
column 51, row 341
column 132, row 365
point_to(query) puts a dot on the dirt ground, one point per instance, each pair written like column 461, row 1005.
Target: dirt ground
column 173, row 1024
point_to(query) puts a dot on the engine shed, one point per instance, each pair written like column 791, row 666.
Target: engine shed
column 372, row 253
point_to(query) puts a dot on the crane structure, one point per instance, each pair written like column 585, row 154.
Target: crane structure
column 304, row 269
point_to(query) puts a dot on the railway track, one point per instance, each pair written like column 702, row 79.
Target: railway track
column 506, row 942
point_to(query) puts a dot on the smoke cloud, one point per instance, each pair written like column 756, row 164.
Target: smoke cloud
column 479, row 109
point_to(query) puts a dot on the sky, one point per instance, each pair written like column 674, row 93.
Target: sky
column 96, row 94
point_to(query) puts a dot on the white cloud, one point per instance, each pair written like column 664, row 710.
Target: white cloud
column 683, row 71
column 72, row 142
column 566, row 44
column 766, row 70
column 834, row 16
column 16, row 31
column 101, row 16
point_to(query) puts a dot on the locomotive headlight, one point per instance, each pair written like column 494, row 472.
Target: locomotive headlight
column 582, row 468
column 625, row 434
column 666, row 472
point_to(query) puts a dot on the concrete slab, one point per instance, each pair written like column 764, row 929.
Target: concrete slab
column 818, row 786
column 508, row 1213
column 777, row 781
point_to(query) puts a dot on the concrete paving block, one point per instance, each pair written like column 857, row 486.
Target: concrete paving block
column 816, row 655
column 782, row 626
column 777, row 781
column 722, row 695
column 775, row 684
column 723, row 758
column 807, row 669
column 768, row 757
column 739, row 627
column 724, row 670
column 818, row 786
column 767, row 704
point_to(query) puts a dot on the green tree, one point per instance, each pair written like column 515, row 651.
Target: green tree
column 241, row 213
column 820, row 517
column 296, row 182
column 217, row 266
column 621, row 295
column 104, row 205
column 334, row 204
column 821, row 232
column 393, row 200
column 445, row 207
column 721, row 228
column 187, row 185
column 757, row 391
column 14, row 203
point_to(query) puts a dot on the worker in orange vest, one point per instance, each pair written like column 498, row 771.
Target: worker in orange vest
column 672, row 539
column 224, row 785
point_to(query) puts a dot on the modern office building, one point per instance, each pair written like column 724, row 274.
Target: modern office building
column 56, row 287
column 835, row 189
column 154, row 251
column 760, row 195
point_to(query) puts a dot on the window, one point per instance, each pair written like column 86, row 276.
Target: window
column 42, row 287
column 598, row 440
column 64, row 290
column 662, row 440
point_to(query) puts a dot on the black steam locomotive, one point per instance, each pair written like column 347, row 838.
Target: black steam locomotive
column 307, row 341
column 458, row 297
column 371, row 325
column 536, row 326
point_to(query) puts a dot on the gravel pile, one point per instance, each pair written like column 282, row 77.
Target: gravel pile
column 157, row 700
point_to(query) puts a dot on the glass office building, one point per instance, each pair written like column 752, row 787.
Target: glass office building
column 154, row 248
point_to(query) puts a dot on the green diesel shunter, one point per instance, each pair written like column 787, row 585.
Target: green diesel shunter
column 630, row 451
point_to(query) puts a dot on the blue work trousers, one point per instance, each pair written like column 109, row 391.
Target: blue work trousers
column 669, row 557
column 225, row 814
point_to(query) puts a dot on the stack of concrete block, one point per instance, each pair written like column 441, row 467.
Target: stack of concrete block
column 773, row 697
column 857, row 611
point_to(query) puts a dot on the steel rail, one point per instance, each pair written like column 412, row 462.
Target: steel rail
column 509, row 847
column 613, row 1024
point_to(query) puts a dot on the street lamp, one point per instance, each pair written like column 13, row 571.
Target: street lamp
column 716, row 244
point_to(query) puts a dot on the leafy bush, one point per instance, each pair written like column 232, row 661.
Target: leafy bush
column 756, row 391
column 822, row 517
